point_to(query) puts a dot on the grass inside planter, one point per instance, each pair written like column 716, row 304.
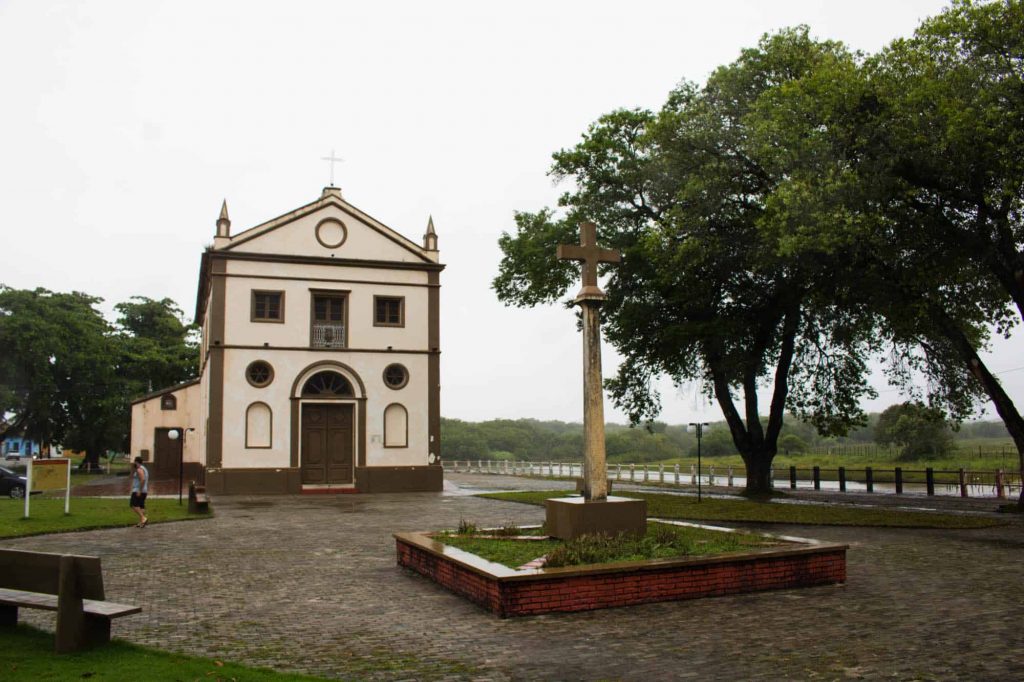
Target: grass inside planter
column 662, row 541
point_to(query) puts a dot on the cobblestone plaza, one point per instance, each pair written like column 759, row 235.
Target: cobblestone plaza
column 309, row 584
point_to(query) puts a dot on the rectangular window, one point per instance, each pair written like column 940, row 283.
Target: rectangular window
column 267, row 306
column 327, row 321
column 389, row 311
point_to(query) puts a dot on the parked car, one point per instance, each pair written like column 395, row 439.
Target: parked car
column 18, row 456
column 12, row 484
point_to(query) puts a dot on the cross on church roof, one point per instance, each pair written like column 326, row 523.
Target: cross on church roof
column 590, row 254
column 332, row 158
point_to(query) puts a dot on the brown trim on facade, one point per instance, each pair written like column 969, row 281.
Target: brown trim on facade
column 323, row 202
column 405, row 438
column 215, row 365
column 399, row 479
column 325, row 260
column 323, row 242
column 270, row 379
column 252, row 306
column 296, row 436
column 242, row 275
column 401, row 311
column 434, row 367
column 263, row 481
column 395, row 351
column 164, row 391
column 270, row 440
column 296, row 391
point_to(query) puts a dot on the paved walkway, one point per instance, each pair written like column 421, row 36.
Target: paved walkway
column 310, row 584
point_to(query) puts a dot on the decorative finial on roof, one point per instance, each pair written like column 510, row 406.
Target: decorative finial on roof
column 430, row 238
column 223, row 222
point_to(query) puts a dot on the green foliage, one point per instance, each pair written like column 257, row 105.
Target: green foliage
column 792, row 443
column 67, row 376
column 466, row 527
column 27, row 654
column 708, row 289
column 662, row 541
column 921, row 431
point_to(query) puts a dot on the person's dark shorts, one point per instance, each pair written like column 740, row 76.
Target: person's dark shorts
column 138, row 500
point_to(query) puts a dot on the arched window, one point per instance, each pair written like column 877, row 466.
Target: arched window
column 396, row 426
column 326, row 385
column 259, row 426
column 168, row 402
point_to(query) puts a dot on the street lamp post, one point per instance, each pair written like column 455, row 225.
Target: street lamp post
column 173, row 435
column 698, row 427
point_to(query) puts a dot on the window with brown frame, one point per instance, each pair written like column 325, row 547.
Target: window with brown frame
column 267, row 306
column 327, row 321
column 389, row 311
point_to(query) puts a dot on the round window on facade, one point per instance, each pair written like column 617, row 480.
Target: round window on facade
column 259, row 373
column 396, row 376
column 331, row 233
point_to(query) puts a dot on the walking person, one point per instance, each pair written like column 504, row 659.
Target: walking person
column 140, row 488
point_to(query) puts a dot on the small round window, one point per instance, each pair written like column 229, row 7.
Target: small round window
column 259, row 373
column 396, row 376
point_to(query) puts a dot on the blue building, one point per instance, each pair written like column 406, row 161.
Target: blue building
column 15, row 446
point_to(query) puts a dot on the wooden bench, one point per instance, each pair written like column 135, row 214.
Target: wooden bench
column 68, row 584
column 198, row 501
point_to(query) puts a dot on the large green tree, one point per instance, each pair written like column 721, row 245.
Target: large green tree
column 67, row 376
column 920, row 431
column 708, row 290
column 934, row 216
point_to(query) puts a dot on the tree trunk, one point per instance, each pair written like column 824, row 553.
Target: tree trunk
column 1003, row 403
column 759, row 468
column 91, row 460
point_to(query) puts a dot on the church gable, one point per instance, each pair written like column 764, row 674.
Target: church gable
column 328, row 228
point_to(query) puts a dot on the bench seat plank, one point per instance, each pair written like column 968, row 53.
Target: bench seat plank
column 48, row 602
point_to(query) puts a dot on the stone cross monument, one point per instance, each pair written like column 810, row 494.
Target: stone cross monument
column 595, row 511
column 590, row 298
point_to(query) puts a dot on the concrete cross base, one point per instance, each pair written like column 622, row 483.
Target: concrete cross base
column 570, row 517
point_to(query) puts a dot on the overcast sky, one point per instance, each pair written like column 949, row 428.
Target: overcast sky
column 124, row 125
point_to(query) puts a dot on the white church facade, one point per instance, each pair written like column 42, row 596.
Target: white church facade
column 319, row 361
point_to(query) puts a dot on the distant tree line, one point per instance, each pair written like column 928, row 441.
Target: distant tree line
column 68, row 375
column 915, row 431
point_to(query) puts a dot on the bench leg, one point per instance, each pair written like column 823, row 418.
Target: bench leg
column 8, row 615
column 97, row 630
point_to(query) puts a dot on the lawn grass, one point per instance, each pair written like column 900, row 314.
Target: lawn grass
column 27, row 654
column 661, row 505
column 46, row 515
column 662, row 541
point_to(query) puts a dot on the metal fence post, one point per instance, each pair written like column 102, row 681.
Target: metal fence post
column 661, row 473
column 1000, row 490
column 730, row 477
column 816, row 474
column 963, row 482
column 869, row 479
column 929, row 479
column 842, row 479
column 632, row 472
column 792, row 478
column 676, row 471
column 711, row 475
column 899, row 480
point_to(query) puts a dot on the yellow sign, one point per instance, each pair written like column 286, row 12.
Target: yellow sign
column 50, row 474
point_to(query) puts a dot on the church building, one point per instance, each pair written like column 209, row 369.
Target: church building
column 319, row 361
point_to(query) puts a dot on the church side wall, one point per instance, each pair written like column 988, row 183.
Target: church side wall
column 147, row 416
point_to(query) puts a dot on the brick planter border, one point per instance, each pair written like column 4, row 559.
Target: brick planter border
column 508, row 592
